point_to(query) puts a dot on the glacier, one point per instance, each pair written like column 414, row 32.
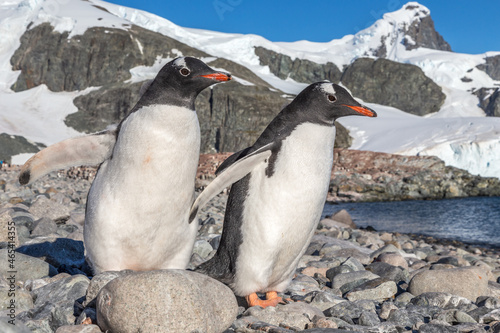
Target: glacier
column 478, row 157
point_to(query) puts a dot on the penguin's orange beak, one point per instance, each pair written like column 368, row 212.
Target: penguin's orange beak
column 221, row 77
column 363, row 110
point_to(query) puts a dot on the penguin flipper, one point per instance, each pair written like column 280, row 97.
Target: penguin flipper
column 231, row 159
column 88, row 150
column 230, row 174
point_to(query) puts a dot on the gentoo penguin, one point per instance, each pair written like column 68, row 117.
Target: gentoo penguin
column 280, row 190
column 138, row 205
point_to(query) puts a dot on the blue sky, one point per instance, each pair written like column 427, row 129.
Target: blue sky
column 468, row 26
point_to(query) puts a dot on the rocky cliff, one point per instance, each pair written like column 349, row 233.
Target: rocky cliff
column 231, row 116
column 381, row 81
column 422, row 33
column 489, row 101
column 387, row 82
column 491, row 67
column 99, row 57
column 300, row 70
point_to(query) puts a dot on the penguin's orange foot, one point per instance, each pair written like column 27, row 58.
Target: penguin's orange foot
column 272, row 299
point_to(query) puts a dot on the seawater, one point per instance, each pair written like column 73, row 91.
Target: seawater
column 474, row 220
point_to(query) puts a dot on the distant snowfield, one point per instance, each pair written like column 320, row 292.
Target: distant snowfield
column 470, row 143
column 459, row 133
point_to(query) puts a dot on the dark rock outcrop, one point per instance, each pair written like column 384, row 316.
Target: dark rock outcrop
column 370, row 176
column 387, row 82
column 100, row 108
column 300, row 70
column 11, row 145
column 421, row 33
column 99, row 57
column 491, row 67
column 232, row 116
column 489, row 101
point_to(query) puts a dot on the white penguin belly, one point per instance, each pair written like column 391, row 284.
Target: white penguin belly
column 137, row 209
column 281, row 212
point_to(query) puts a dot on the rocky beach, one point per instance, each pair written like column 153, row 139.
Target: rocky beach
column 350, row 279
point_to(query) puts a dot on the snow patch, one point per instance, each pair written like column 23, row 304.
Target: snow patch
column 142, row 73
column 38, row 114
column 20, row 159
column 141, row 48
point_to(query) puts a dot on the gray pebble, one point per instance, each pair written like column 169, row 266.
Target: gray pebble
column 302, row 284
column 332, row 272
column 377, row 289
column 44, row 227
column 394, row 273
column 19, row 327
column 55, row 302
column 351, row 278
column 202, row 248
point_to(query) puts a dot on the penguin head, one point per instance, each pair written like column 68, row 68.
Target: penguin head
column 181, row 80
column 328, row 101
column 190, row 75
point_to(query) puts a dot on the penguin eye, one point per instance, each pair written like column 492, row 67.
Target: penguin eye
column 185, row 71
column 332, row 98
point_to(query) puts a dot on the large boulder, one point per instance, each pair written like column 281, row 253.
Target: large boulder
column 165, row 301
column 467, row 282
column 391, row 83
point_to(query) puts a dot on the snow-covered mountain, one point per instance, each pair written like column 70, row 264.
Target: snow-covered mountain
column 459, row 133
